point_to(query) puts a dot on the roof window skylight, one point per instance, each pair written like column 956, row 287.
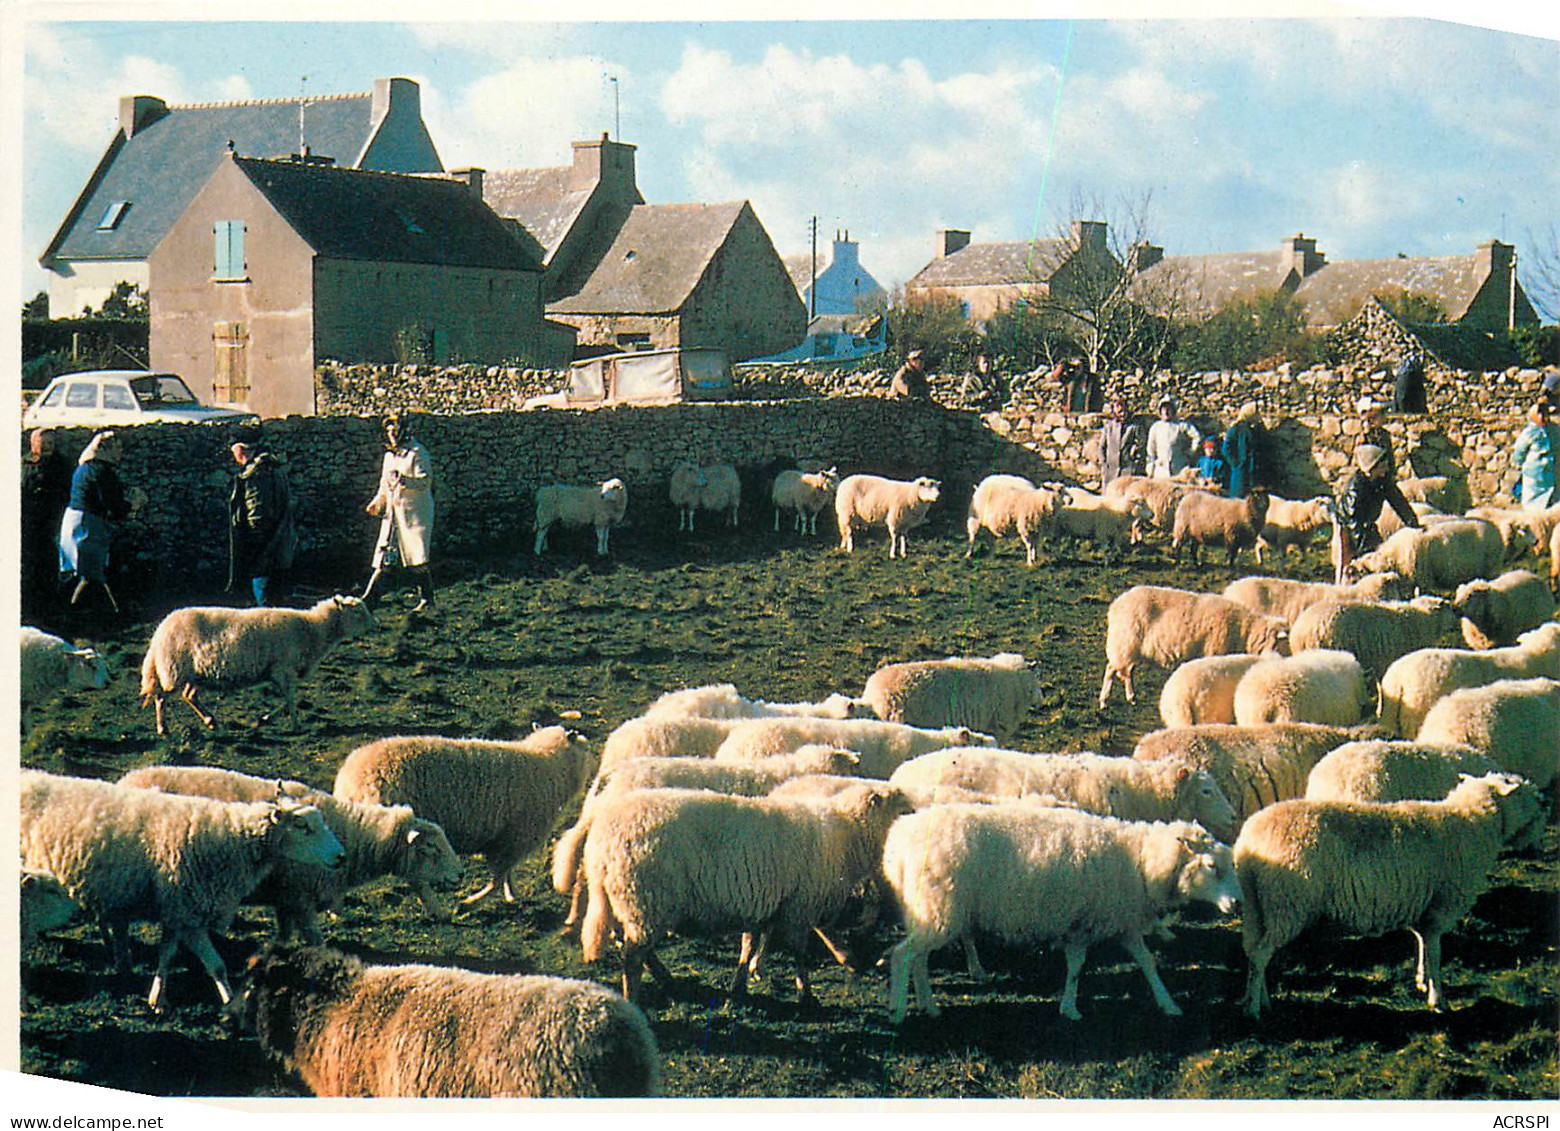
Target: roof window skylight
column 114, row 213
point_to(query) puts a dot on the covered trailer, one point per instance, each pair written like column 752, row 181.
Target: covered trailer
column 644, row 377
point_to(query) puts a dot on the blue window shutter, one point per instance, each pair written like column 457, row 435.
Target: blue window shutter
column 228, row 238
column 219, row 260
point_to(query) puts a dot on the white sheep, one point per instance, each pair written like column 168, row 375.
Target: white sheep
column 500, row 799
column 1286, row 598
column 378, row 841
column 665, row 736
column 1440, row 491
column 1375, row 632
column 1010, row 503
column 1389, row 522
column 1033, row 874
column 1383, row 771
column 882, row 746
column 1315, row 686
column 184, row 863
column 715, row 488
column 199, row 647
column 1203, row 691
column 873, row 500
column 1515, row 721
column 43, row 905
column 601, row 506
column 1371, row 869
column 1204, row 519
column 1292, row 522
column 350, row 1029
column 1157, row 625
column 1540, row 524
column 1114, row 787
column 722, row 701
column 699, row 862
column 805, row 492
column 1441, row 556
column 1496, row 612
column 1161, row 495
column 1110, row 522
column 992, row 695
column 1554, row 559
column 1413, row 684
column 50, row 665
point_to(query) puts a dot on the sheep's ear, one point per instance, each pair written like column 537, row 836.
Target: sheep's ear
column 281, row 790
column 412, row 835
column 851, row 756
column 1182, row 773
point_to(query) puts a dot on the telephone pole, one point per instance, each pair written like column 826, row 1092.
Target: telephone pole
column 812, row 291
column 617, row 113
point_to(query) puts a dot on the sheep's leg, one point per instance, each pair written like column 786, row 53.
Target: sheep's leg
column 1110, row 674
column 1257, row 958
column 1138, row 949
column 899, row 959
column 972, row 960
column 1126, row 683
column 923, row 980
column 157, row 711
column 1076, row 953
column 117, row 935
column 1432, row 945
column 487, row 890
column 287, row 684
column 541, row 540
column 200, row 945
column 188, row 693
column 602, row 535
column 777, row 520
column 1029, row 550
column 1419, row 965
column 657, row 968
column 836, row 952
column 747, row 957
column 633, row 960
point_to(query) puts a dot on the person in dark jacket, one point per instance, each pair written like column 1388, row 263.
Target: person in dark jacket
column 261, row 536
column 1121, row 444
column 1373, row 431
column 1359, row 504
column 45, row 493
column 1408, row 383
column 1240, row 450
column 97, row 501
column 910, row 379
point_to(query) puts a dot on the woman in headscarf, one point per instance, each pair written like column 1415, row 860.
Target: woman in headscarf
column 97, row 501
column 1359, row 504
column 1240, row 450
column 1534, row 455
column 1172, row 443
column 405, row 499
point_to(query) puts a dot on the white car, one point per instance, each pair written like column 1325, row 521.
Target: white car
column 101, row 398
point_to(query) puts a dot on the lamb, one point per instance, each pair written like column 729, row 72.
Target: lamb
column 199, row 647
column 44, row 905
column 1316, row 686
column 1253, row 766
column 500, row 799
column 1004, row 503
column 805, row 492
column 1287, row 599
column 1112, row 787
column 1389, row 522
column 1441, row 556
column 182, row 862
column 1161, row 495
column 882, row 746
column 990, row 695
column 1541, row 524
column 350, row 1029
column 1376, row 632
column 721, row 701
column 1383, row 771
column 873, row 500
column 1515, row 721
column 1292, row 523
column 665, row 736
column 378, row 841
column 1496, row 612
column 1204, row 519
column 1203, row 691
column 714, row 488
column 1109, row 522
column 1443, row 493
column 1162, row 626
column 1026, row 873
column 50, row 665
column 601, row 506
column 1374, row 868
column 1413, row 684
column 692, row 861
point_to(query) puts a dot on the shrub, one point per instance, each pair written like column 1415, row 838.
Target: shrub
column 1537, row 345
column 1248, row 331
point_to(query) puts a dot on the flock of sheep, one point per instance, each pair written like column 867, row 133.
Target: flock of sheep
column 1324, row 757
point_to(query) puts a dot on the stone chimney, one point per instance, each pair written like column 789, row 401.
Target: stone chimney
column 609, row 163
column 1089, row 233
column 845, row 253
column 1302, row 253
column 950, row 240
column 137, row 111
column 1495, row 257
column 1142, row 256
column 403, row 94
column 472, row 175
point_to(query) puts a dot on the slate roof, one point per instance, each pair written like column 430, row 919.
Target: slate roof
column 990, row 264
column 388, row 217
column 657, row 258
column 540, row 199
column 1335, row 292
column 1204, row 283
column 161, row 168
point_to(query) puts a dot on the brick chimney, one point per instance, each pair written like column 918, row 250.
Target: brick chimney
column 950, row 240
column 472, row 175
column 1089, row 233
column 609, row 163
column 1302, row 253
column 1142, row 256
column 137, row 111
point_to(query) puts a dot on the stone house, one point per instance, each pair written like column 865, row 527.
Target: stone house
column 162, row 154
column 843, row 285
column 275, row 266
column 1195, row 286
column 988, row 277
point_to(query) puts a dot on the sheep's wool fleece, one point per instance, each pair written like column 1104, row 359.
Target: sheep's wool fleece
column 986, row 694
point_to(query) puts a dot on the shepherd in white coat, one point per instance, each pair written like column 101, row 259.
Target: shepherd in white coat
column 405, row 499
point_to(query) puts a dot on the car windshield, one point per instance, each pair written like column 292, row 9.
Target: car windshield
column 161, row 389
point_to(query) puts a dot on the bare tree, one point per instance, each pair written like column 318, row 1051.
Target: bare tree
column 1540, row 271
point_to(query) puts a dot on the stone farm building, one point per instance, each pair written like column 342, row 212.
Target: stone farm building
column 987, row 277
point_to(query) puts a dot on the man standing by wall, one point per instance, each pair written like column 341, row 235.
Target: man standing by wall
column 1172, row 443
column 261, row 535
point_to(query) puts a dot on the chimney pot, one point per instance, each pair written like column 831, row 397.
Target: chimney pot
column 137, row 111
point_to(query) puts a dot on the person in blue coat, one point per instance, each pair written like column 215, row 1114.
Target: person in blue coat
column 1240, row 451
column 97, row 504
column 1534, row 455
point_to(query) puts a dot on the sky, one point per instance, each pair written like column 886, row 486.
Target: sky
column 1374, row 135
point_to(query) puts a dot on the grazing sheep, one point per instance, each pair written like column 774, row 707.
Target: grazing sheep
column 1554, row 560
column 1316, row 686
column 715, row 488
column 989, row 695
column 1375, row 868
column 200, row 647
column 665, row 736
column 1161, row 495
column 882, row 746
column 1032, row 874
column 696, row 862
column 1203, row 691
column 1287, row 599
column 1004, row 503
column 1254, row 766
column 349, row 1029
column 1384, row 771
column 1161, row 626
column 601, row 506
column 1376, row 632
column 1109, row 522
column 1440, row 491
column 1111, row 787
column 1389, row 522
column 1496, row 612
column 1515, row 721
column 721, row 701
column 1541, row 524
column 805, row 492
column 1441, row 556
column 873, row 501
column 50, row 665
column 378, row 841
column 44, row 905
column 1204, row 519
column 1413, row 684
column 1291, row 522
column 500, row 799
column 181, row 862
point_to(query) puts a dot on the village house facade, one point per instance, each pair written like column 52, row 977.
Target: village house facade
column 985, row 278
column 843, row 285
